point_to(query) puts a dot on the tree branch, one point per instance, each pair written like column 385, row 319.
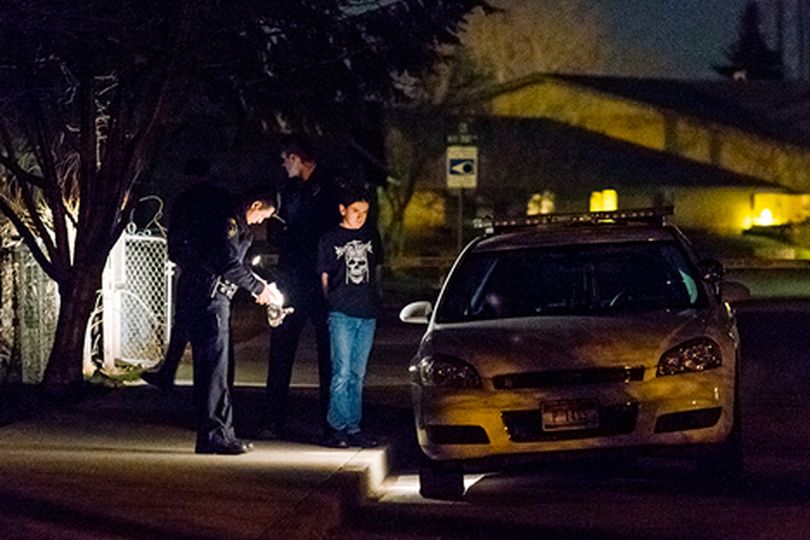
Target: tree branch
column 88, row 173
column 14, row 168
column 53, row 193
column 9, row 161
column 166, row 76
column 30, row 241
column 25, row 188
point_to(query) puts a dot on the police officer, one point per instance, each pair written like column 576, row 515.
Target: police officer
column 210, row 247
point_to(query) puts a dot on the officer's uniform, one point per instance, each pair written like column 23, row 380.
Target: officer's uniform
column 211, row 247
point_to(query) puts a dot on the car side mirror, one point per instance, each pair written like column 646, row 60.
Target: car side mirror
column 711, row 270
column 416, row 313
column 732, row 291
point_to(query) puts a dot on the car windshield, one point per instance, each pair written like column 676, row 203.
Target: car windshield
column 567, row 280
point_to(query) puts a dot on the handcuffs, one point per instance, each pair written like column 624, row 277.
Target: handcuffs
column 276, row 312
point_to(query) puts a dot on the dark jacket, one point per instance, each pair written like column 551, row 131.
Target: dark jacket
column 308, row 209
column 208, row 238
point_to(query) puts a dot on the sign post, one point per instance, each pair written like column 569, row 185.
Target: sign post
column 461, row 166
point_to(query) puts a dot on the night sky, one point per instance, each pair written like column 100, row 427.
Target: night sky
column 676, row 38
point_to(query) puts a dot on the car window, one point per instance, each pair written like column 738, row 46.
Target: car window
column 590, row 278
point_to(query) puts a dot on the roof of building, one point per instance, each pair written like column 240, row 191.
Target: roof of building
column 558, row 147
column 779, row 110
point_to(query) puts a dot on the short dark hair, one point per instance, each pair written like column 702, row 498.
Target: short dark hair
column 299, row 145
column 350, row 196
column 264, row 194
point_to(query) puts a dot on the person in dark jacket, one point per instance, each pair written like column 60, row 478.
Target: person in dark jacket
column 307, row 208
column 196, row 171
column 210, row 247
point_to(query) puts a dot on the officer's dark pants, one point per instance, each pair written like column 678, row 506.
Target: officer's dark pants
column 180, row 337
column 310, row 305
column 209, row 345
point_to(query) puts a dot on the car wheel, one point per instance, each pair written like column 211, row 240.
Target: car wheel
column 440, row 480
column 726, row 461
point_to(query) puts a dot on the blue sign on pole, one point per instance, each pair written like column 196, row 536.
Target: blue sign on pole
column 462, row 167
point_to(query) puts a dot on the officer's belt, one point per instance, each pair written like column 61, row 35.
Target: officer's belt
column 224, row 287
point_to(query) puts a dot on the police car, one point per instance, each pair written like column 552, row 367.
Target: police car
column 575, row 333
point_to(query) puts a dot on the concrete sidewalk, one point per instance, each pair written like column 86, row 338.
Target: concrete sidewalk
column 123, row 466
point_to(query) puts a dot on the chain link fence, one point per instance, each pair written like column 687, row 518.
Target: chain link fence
column 9, row 358
column 29, row 306
column 130, row 325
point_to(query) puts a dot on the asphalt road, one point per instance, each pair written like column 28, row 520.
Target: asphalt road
column 645, row 498
column 599, row 499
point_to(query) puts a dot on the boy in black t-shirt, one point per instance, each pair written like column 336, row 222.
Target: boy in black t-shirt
column 349, row 257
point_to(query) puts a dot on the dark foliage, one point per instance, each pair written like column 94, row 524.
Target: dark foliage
column 750, row 57
column 87, row 87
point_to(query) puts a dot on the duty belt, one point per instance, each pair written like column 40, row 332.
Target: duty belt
column 224, row 287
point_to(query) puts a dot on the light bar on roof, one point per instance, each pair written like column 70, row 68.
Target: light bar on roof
column 644, row 215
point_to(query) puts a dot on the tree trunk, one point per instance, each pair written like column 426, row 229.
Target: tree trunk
column 63, row 376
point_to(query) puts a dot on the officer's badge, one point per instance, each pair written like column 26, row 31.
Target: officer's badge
column 232, row 228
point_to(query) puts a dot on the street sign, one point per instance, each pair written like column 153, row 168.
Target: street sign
column 462, row 167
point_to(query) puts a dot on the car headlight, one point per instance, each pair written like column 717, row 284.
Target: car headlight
column 445, row 371
column 689, row 357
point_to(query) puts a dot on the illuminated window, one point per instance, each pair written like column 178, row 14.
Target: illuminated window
column 604, row 201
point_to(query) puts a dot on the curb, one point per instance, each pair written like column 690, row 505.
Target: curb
column 321, row 512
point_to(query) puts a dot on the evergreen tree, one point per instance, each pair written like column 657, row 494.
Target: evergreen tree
column 750, row 57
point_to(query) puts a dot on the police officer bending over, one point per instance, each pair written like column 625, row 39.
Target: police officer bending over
column 210, row 246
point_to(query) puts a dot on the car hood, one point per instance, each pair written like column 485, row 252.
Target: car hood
column 553, row 343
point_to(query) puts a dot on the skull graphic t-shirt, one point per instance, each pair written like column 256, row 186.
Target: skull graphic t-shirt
column 350, row 257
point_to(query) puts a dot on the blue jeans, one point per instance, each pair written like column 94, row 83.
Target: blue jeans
column 350, row 339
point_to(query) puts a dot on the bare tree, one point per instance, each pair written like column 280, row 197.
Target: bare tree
column 527, row 37
column 507, row 40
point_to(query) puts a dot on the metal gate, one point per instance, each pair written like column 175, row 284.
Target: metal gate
column 136, row 301
column 130, row 325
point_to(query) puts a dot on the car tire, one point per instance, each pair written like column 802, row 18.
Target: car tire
column 439, row 480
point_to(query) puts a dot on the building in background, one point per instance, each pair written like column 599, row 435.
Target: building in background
column 728, row 155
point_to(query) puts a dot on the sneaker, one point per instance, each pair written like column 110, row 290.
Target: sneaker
column 337, row 439
column 362, row 440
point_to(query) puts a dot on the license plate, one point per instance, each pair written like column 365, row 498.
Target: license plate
column 570, row 415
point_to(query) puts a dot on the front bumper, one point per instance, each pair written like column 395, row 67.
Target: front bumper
column 687, row 409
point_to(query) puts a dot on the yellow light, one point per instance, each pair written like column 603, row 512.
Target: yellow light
column 765, row 218
column 610, row 200
column 596, row 201
column 606, row 200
